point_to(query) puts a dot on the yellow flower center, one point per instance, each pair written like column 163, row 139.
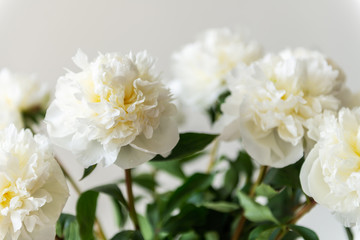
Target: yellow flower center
column 7, row 195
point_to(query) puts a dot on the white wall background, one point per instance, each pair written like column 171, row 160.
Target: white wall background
column 41, row 36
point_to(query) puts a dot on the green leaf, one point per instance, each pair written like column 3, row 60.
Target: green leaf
column 152, row 213
column 189, row 218
column 195, row 183
column 224, row 207
column 120, row 212
column 291, row 235
column 265, row 190
column 231, row 180
column 34, row 116
column 128, row 235
column 171, row 167
column 145, row 228
column 254, row 211
column 67, row 227
column 112, row 190
column 189, row 236
column 349, row 233
column 262, row 232
column 212, row 236
column 242, row 165
column 287, row 176
column 88, row 171
column 146, row 181
column 306, row 233
column 85, row 214
column 189, row 144
column 214, row 110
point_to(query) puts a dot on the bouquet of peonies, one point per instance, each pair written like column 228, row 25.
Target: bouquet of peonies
column 295, row 123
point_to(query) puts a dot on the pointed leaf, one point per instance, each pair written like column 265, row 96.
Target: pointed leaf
column 224, row 207
column 112, row 190
column 120, row 212
column 146, row 228
column 128, row 235
column 67, row 227
column 88, row 171
column 146, row 181
column 254, row 211
column 265, row 190
column 85, row 214
column 171, row 167
column 306, row 233
column 262, row 232
column 189, row 144
column 195, row 183
column 287, row 176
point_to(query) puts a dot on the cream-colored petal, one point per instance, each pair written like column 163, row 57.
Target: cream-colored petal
column 130, row 157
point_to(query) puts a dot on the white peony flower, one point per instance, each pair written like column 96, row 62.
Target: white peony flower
column 200, row 68
column 114, row 110
column 33, row 189
column 271, row 100
column 330, row 173
column 22, row 92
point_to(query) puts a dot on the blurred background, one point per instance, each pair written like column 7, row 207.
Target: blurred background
column 41, row 36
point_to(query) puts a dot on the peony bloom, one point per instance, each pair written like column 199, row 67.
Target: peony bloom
column 32, row 185
column 22, row 92
column 200, row 68
column 115, row 110
column 271, row 100
column 330, row 173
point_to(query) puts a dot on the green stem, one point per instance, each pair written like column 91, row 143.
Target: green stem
column 213, row 154
column 70, row 179
column 130, row 194
column 261, row 176
column 304, row 210
column 281, row 234
column 100, row 231
column 349, row 233
column 242, row 220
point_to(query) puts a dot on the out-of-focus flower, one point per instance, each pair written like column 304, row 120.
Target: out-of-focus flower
column 21, row 96
column 33, row 189
column 200, row 68
column 271, row 100
column 22, row 92
column 330, row 173
column 114, row 110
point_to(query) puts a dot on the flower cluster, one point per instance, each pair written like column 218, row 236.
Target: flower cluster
column 272, row 98
column 283, row 107
column 291, row 112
